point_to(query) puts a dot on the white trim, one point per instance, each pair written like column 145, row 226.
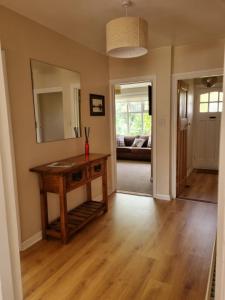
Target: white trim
column 10, row 272
column 48, row 90
column 31, row 241
column 75, row 108
column 175, row 78
column 152, row 79
column 162, row 197
column 220, row 255
column 133, row 193
column 97, row 198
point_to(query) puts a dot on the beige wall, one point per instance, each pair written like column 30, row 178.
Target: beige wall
column 162, row 62
column 204, row 56
column 24, row 39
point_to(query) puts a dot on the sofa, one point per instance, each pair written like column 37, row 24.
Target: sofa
column 125, row 150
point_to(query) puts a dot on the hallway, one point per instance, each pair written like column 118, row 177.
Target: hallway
column 201, row 186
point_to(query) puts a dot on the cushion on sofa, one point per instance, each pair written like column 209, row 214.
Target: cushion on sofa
column 146, row 138
column 120, row 141
column 128, row 140
column 138, row 142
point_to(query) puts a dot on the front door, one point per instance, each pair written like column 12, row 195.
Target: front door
column 207, row 124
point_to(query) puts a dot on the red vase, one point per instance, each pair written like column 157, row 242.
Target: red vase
column 86, row 149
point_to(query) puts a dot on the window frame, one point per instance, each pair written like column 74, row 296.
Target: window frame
column 129, row 113
column 209, row 91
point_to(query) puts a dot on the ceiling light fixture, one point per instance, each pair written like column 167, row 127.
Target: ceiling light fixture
column 126, row 37
column 209, row 81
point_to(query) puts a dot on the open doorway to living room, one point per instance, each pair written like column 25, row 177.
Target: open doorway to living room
column 133, row 107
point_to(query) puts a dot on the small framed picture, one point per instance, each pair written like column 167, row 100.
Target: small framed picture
column 97, row 105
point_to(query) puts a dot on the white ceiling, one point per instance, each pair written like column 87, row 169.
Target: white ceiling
column 173, row 22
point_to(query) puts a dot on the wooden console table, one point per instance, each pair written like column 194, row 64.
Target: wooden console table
column 64, row 176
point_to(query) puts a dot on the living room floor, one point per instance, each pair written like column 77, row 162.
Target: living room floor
column 134, row 177
column 142, row 249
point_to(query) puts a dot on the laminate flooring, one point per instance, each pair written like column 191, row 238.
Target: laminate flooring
column 201, row 186
column 142, row 249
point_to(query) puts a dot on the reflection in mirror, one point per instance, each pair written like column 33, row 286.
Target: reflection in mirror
column 56, row 94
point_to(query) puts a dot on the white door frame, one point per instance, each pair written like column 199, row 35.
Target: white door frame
column 175, row 78
column 10, row 272
column 148, row 78
column 220, row 257
column 37, row 92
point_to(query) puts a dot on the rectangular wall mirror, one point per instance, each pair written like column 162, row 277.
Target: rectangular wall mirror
column 56, row 93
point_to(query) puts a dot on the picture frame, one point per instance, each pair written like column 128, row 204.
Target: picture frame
column 97, row 105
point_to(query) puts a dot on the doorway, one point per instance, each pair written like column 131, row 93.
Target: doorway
column 133, row 125
column 199, row 107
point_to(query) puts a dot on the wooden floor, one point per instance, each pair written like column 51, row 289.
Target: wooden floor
column 201, row 186
column 142, row 249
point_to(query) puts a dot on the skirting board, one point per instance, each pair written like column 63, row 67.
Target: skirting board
column 38, row 236
column 31, row 241
column 162, row 197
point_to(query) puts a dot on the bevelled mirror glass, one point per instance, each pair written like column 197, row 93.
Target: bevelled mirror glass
column 56, row 94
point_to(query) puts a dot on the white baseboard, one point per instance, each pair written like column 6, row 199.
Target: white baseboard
column 97, row 198
column 31, row 241
column 162, row 197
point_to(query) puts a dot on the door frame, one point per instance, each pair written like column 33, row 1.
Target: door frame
column 112, row 83
column 175, row 78
column 36, row 93
column 10, row 270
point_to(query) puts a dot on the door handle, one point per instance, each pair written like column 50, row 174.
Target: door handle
column 212, row 117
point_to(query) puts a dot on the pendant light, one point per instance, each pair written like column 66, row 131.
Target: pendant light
column 126, row 37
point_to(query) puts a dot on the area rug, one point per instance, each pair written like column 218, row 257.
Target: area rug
column 134, row 177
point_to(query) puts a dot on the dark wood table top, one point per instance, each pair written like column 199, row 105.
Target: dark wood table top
column 69, row 164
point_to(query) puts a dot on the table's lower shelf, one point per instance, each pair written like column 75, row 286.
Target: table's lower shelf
column 77, row 218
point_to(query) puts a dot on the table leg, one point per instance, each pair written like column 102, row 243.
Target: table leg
column 104, row 186
column 88, row 189
column 63, row 210
column 44, row 207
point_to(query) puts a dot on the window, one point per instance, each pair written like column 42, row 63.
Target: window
column 211, row 102
column 132, row 117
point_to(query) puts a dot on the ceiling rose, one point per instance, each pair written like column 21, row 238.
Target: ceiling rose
column 126, row 37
